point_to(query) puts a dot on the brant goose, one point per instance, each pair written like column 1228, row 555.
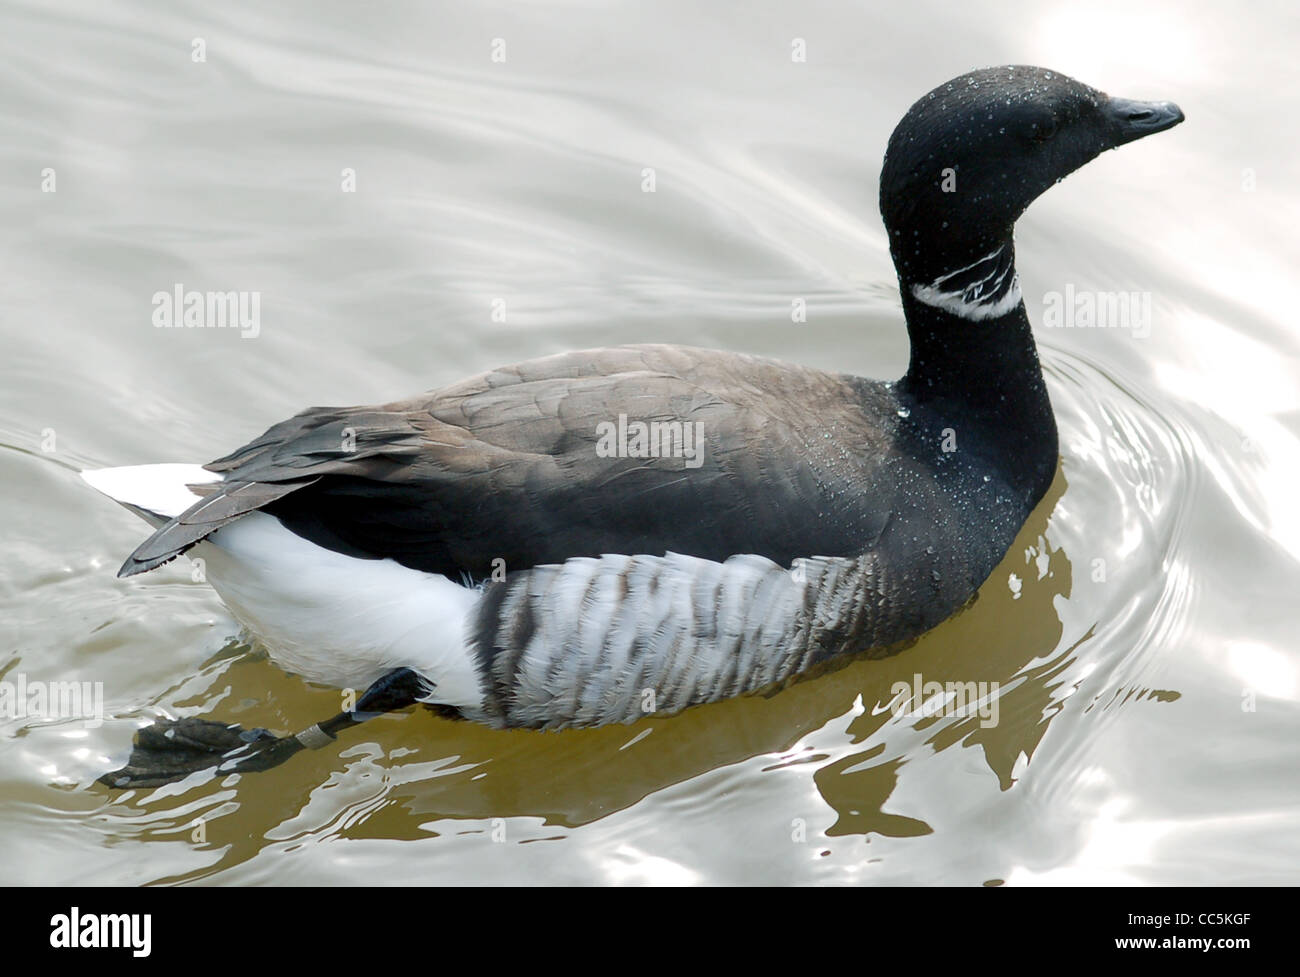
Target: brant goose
column 591, row 537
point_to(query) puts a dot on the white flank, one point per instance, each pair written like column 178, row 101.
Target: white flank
column 333, row 619
column 337, row 619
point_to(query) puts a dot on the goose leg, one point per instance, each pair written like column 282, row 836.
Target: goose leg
column 171, row 749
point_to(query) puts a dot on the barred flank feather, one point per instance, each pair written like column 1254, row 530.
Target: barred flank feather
column 595, row 641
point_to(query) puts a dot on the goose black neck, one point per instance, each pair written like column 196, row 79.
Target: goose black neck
column 984, row 367
column 977, row 363
column 971, row 341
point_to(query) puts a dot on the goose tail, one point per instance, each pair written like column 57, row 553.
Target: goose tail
column 155, row 493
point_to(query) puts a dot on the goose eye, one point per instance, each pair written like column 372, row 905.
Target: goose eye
column 1045, row 130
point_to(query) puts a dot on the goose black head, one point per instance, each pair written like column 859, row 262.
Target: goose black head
column 970, row 156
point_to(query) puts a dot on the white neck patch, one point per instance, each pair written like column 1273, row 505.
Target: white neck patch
column 985, row 289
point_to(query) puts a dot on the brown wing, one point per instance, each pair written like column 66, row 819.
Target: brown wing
column 511, row 465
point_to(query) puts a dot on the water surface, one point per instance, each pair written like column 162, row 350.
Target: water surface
column 1141, row 630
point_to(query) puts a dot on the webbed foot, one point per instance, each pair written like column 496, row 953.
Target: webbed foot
column 172, row 749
